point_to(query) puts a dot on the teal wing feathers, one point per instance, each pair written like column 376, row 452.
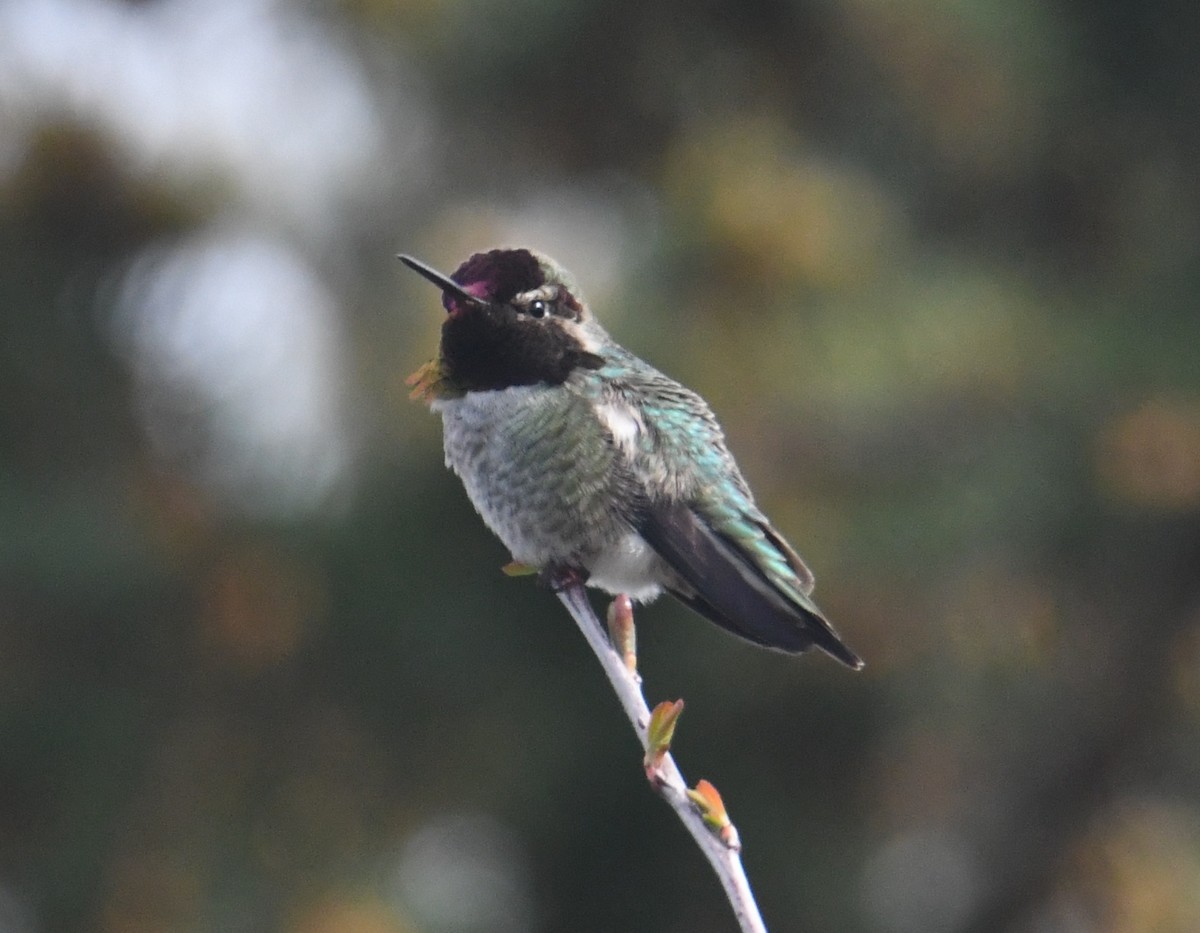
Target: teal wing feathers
column 699, row 515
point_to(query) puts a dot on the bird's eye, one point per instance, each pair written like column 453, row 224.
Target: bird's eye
column 538, row 308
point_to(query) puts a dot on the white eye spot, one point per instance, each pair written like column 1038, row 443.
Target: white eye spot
column 538, row 308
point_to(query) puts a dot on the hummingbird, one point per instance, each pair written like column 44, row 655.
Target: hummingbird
column 592, row 467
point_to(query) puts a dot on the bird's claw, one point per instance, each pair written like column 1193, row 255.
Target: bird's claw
column 562, row 577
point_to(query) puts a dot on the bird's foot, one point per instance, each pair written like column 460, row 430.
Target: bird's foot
column 559, row 577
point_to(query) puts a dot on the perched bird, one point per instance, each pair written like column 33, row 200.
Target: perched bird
column 592, row 466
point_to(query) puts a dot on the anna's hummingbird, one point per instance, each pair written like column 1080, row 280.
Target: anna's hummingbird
column 590, row 465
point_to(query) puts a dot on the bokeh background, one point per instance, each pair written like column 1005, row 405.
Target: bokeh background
column 933, row 262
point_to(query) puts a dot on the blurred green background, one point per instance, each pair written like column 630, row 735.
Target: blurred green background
column 933, row 262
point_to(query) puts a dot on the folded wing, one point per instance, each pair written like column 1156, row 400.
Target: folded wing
column 727, row 586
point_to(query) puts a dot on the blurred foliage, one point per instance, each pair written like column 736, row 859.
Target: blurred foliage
column 935, row 265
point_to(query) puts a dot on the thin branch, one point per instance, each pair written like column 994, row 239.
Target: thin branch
column 724, row 857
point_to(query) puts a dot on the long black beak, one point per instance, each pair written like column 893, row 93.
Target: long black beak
column 443, row 282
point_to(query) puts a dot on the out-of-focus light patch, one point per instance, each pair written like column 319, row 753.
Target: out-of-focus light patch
column 598, row 232
column 973, row 77
column 926, row 334
column 465, row 873
column 238, row 356
column 789, row 215
column 925, row 881
column 347, row 912
column 251, row 93
column 1138, row 870
column 971, row 330
column 1150, row 457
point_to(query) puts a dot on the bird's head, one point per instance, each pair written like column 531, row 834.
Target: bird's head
column 514, row 318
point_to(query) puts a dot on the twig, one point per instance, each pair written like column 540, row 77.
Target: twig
column 722, row 854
